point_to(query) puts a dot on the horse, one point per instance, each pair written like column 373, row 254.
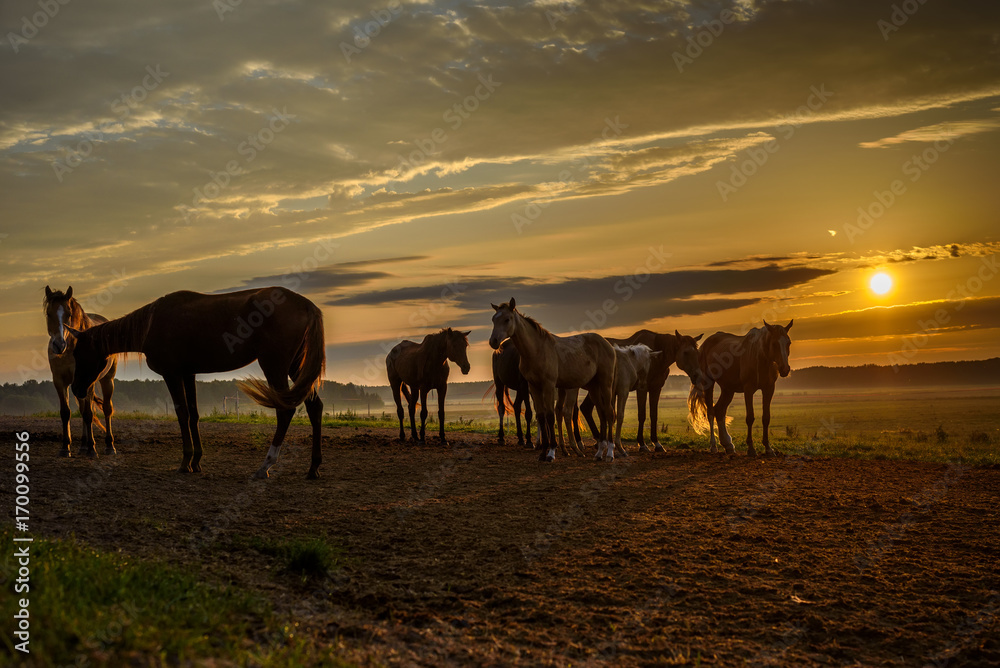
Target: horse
column 506, row 376
column 679, row 349
column 550, row 363
column 62, row 310
column 424, row 367
column 186, row 333
column 672, row 348
column 739, row 364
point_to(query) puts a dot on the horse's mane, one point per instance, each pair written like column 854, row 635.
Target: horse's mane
column 127, row 333
column 534, row 323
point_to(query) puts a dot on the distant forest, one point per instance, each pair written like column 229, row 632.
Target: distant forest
column 982, row 372
column 151, row 396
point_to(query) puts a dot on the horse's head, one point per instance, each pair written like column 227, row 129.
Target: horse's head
column 687, row 355
column 503, row 323
column 58, row 314
column 778, row 346
column 457, row 347
column 91, row 357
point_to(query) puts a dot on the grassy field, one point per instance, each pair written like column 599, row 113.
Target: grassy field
column 928, row 424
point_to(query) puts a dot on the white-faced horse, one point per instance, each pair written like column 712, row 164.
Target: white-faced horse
column 62, row 312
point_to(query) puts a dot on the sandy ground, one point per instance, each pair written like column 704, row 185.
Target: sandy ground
column 477, row 554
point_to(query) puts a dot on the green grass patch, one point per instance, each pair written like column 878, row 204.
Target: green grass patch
column 309, row 557
column 89, row 607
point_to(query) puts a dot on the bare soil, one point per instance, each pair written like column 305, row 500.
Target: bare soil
column 477, row 554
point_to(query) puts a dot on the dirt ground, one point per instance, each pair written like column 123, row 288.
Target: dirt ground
column 476, row 554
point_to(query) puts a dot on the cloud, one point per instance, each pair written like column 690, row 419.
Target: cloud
column 947, row 132
column 618, row 301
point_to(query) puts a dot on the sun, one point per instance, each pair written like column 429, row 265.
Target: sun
column 880, row 283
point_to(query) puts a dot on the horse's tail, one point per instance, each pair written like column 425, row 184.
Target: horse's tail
column 698, row 410
column 97, row 403
column 489, row 390
column 309, row 375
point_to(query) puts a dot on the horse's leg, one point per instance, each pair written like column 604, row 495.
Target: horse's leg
column 175, row 384
column 64, row 414
column 394, row 386
column 570, row 412
column 527, row 417
column 560, row 408
column 87, row 413
column 587, row 408
column 654, row 409
column 107, row 390
column 411, row 405
column 619, row 421
column 748, row 399
column 518, row 402
column 725, row 397
column 766, row 394
column 314, row 408
column 604, row 400
column 191, row 394
column 640, row 397
column 441, row 392
column 544, row 398
column 502, row 410
column 284, row 419
column 423, row 414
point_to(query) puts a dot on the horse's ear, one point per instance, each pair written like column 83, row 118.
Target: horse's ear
column 766, row 325
column 48, row 292
column 698, row 338
column 789, row 325
column 656, row 353
column 511, row 303
column 74, row 332
column 495, row 307
column 466, row 334
column 69, row 292
column 677, row 334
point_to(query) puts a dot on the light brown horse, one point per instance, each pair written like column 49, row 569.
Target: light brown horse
column 551, row 363
column 739, row 364
column 62, row 311
column 507, row 376
column 672, row 348
column 187, row 333
column 415, row 368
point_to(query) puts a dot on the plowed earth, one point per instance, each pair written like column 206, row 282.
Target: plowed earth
column 477, row 554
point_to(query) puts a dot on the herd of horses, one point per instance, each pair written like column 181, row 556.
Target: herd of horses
column 186, row 333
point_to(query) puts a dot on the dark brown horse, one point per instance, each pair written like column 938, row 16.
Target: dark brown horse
column 507, row 376
column 673, row 348
column 421, row 367
column 562, row 364
column 62, row 311
column 739, row 364
column 187, row 333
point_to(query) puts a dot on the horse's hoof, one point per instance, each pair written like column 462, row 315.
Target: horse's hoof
column 92, row 454
column 110, row 451
column 312, row 475
column 261, row 474
column 624, row 453
column 659, row 448
column 184, row 468
column 65, row 453
column 644, row 448
column 196, row 468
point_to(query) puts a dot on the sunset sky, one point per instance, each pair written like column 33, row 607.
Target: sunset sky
column 611, row 165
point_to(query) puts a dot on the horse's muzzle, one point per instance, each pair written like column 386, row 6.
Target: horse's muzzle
column 465, row 370
column 494, row 343
column 58, row 347
column 784, row 371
